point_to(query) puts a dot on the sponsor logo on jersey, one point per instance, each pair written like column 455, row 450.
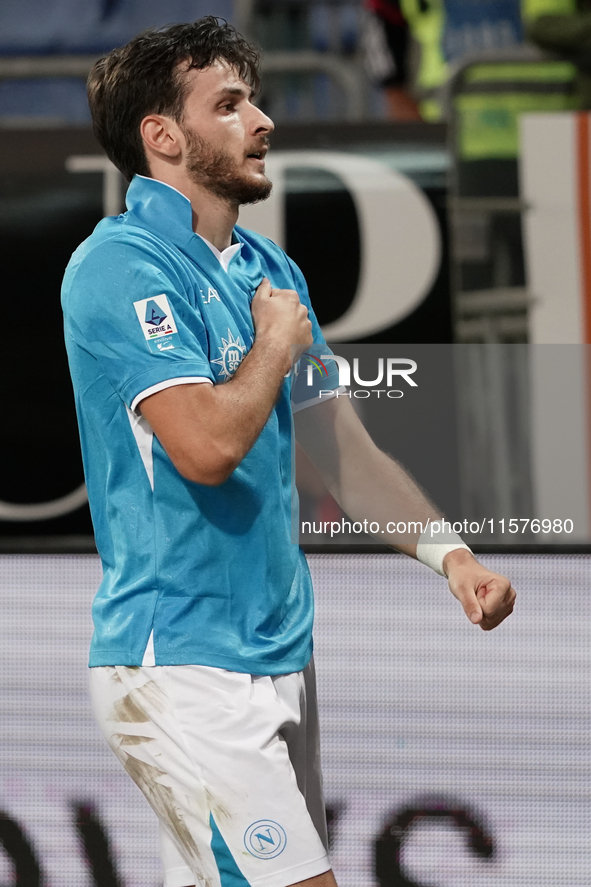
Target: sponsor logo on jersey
column 211, row 294
column 265, row 839
column 232, row 351
column 157, row 322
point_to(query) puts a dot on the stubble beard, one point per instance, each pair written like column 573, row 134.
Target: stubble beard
column 217, row 171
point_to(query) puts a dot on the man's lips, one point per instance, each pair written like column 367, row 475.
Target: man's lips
column 258, row 154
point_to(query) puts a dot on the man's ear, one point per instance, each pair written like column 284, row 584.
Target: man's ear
column 162, row 136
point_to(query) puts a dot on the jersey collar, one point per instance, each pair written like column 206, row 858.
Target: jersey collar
column 162, row 209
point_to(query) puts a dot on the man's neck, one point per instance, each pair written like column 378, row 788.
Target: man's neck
column 213, row 217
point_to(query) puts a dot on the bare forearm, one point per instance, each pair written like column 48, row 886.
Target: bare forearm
column 208, row 429
column 376, row 488
column 371, row 486
column 367, row 483
column 243, row 405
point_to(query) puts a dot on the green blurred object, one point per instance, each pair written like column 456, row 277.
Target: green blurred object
column 493, row 97
column 570, row 37
column 533, row 9
column 426, row 22
column 541, row 72
column 426, row 19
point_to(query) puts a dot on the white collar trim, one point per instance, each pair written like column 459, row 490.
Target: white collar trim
column 225, row 256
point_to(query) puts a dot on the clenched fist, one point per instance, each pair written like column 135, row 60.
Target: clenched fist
column 487, row 597
column 279, row 316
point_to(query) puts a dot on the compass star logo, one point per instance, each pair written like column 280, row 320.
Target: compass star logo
column 232, row 351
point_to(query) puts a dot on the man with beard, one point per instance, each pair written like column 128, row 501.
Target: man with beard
column 201, row 670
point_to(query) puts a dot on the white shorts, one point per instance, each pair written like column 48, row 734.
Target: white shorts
column 229, row 762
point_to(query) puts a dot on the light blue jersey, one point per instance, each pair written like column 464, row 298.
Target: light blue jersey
column 192, row 574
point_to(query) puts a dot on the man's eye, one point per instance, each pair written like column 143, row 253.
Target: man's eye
column 229, row 106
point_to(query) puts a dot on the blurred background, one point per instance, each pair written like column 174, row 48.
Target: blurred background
column 432, row 177
column 398, row 133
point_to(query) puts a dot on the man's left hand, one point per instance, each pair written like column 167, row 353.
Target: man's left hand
column 486, row 597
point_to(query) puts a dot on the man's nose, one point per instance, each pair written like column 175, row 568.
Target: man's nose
column 262, row 123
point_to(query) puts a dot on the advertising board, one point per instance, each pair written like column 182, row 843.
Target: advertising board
column 452, row 757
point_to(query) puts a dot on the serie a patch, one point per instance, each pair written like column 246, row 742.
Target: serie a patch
column 157, row 323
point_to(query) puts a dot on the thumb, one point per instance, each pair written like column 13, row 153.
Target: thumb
column 264, row 288
column 469, row 601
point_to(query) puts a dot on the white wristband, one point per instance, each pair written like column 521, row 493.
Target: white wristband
column 432, row 553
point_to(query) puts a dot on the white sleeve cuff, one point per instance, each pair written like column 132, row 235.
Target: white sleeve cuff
column 432, row 553
column 168, row 383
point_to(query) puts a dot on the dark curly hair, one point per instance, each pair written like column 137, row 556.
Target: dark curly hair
column 143, row 77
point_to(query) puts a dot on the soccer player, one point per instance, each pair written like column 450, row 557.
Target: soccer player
column 179, row 327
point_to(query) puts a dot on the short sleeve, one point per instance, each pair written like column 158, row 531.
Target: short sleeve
column 315, row 376
column 130, row 309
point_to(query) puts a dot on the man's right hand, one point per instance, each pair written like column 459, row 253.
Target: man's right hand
column 208, row 429
column 280, row 317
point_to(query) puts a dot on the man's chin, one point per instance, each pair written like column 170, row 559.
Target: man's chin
column 238, row 190
column 259, row 192
column 252, row 190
